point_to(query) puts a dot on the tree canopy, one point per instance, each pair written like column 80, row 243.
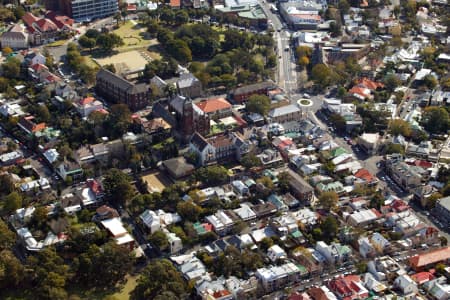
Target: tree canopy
column 258, row 104
column 117, row 186
column 157, row 279
column 328, row 200
column 436, row 120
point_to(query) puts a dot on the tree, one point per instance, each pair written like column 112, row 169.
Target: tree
column 430, row 81
column 303, row 51
column 303, row 62
column 12, row 271
column 391, row 82
column 189, row 210
column 159, row 240
column 322, row 75
column 436, row 120
column 328, row 200
column 12, row 202
column 338, row 121
column 11, row 68
column 344, row 6
column 6, row 51
column 159, row 277
column 103, row 267
column 6, row 184
column 394, row 148
column 49, row 273
column 250, row 160
column 361, row 267
column 7, row 237
column 87, row 73
column 399, row 126
column 258, row 104
column 117, row 186
column 329, row 228
column 181, row 17
column 212, row 175
column 92, row 33
column 110, row 67
column 87, row 42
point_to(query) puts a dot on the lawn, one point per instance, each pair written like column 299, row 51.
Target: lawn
column 57, row 43
column 134, row 36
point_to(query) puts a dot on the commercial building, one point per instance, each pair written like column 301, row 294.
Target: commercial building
column 84, row 10
column 119, row 90
column 442, row 209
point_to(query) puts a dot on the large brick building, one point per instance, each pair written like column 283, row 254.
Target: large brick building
column 116, row 89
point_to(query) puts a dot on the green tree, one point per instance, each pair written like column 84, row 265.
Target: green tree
column 159, row 240
column 399, row 126
column 250, row 160
column 181, row 17
column 258, row 104
column 328, row 200
column 11, row 68
column 159, row 277
column 117, row 186
column 322, row 75
column 12, row 271
column 212, row 175
column 394, row 148
column 436, row 119
column 430, row 81
column 86, row 42
column 188, row 210
column 7, row 237
column 361, row 267
column 12, row 202
column 391, row 82
column 329, row 228
column 344, row 6
column 103, row 267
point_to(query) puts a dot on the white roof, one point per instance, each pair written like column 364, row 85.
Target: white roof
column 51, row 155
column 125, row 239
column 114, row 226
column 284, row 110
column 245, row 212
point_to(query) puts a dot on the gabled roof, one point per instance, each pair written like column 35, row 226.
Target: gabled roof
column 198, row 141
column 46, row 25
column 365, row 174
column 431, row 257
column 370, row 84
column 28, row 18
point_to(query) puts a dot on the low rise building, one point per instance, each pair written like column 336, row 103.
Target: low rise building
column 276, row 277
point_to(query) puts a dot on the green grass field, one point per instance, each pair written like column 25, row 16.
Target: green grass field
column 133, row 36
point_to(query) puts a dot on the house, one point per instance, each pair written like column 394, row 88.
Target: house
column 28, row 124
column 178, row 167
column 10, row 157
column 221, row 222
column 35, row 58
column 240, row 187
column 275, row 253
column 300, row 189
column 366, row 178
column 117, row 89
column 348, row 287
column 119, row 233
column 157, row 220
column 42, row 30
column 406, row 285
column 279, row 204
column 69, row 168
column 215, row 108
column 157, row 129
column 438, row 288
column 422, row 261
column 285, row 114
column 276, row 277
column 51, row 155
column 218, row 148
column 189, row 86
column 245, row 212
column 442, row 209
column 404, row 175
column 336, row 186
column 175, row 243
column 105, row 212
column 241, row 94
column 334, row 253
column 88, row 105
column 364, row 217
column 369, row 142
column 15, row 38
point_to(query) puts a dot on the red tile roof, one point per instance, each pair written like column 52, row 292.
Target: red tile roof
column 363, row 92
column 429, row 258
column 365, row 174
column 87, row 100
column 371, row 85
column 175, row 3
column 422, row 277
column 59, row 20
column 213, row 105
column 220, row 294
column 46, row 25
column 29, row 19
column 399, row 205
column 39, row 67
